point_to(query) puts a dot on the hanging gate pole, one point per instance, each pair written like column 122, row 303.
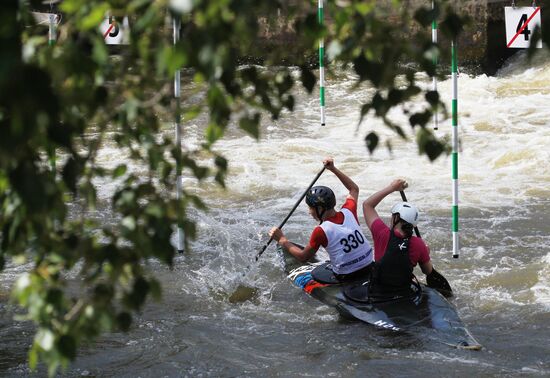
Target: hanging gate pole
column 52, row 38
column 52, row 31
column 454, row 70
column 434, row 79
column 52, row 23
column 321, row 17
column 177, row 95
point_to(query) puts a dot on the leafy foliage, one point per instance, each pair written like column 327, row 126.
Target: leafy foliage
column 60, row 104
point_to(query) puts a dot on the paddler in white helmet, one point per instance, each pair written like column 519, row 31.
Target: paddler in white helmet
column 396, row 250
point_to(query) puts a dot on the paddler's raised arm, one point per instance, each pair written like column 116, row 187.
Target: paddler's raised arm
column 370, row 203
column 350, row 185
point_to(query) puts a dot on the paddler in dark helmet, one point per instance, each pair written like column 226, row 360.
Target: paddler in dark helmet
column 396, row 250
column 338, row 231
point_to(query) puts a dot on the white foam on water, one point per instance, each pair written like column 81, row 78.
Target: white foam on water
column 504, row 129
column 502, row 159
column 541, row 290
column 446, row 358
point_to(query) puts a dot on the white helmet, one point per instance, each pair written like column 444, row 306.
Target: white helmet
column 407, row 211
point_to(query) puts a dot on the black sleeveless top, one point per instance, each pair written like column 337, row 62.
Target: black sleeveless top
column 394, row 271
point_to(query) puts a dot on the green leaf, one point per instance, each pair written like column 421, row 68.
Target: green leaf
column 70, row 174
column 135, row 299
column 364, row 8
column 428, row 144
column 66, row 344
column 371, row 141
column 96, row 16
column 250, row 124
column 307, row 78
column 221, row 162
column 453, row 24
column 432, row 97
column 54, row 296
column 100, row 53
column 53, row 364
column 33, row 356
column 364, row 111
column 424, row 16
column 213, row 133
column 191, row 113
column 124, row 321
column 420, row 118
column 156, row 289
column 120, row 170
column 395, row 96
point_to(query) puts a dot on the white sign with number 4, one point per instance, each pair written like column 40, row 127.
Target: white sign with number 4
column 520, row 25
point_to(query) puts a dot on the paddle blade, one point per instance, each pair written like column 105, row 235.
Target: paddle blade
column 436, row 281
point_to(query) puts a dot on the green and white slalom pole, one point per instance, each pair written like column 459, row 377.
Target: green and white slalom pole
column 434, row 79
column 177, row 126
column 454, row 105
column 321, row 16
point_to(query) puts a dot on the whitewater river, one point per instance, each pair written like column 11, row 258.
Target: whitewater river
column 209, row 324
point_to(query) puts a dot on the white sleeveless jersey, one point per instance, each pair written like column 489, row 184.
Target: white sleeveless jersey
column 347, row 246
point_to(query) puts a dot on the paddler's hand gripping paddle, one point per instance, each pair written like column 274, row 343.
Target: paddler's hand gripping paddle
column 292, row 211
column 435, row 280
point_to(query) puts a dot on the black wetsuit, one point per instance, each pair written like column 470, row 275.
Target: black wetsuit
column 393, row 273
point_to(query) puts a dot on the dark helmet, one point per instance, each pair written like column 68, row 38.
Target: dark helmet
column 321, row 196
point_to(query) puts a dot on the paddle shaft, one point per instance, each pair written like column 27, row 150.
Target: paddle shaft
column 404, row 198
column 292, row 211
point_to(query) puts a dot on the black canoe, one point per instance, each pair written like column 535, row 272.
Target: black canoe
column 424, row 310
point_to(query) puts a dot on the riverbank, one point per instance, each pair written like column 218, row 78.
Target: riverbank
column 482, row 45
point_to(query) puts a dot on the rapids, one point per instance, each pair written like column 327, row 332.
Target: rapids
column 213, row 321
